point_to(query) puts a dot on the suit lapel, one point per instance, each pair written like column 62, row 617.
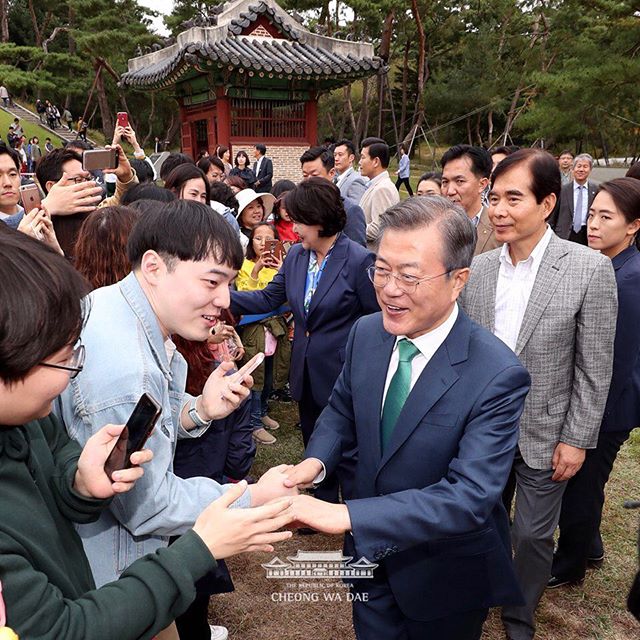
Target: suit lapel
column 298, row 278
column 545, row 284
column 434, row 381
column 331, row 270
column 489, row 285
column 571, row 190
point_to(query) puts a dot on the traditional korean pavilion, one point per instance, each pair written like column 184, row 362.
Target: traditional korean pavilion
column 252, row 73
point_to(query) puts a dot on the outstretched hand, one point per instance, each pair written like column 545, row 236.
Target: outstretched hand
column 303, row 474
column 227, row 531
column 325, row 517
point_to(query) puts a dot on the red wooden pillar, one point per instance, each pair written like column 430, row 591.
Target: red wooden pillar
column 186, row 138
column 311, row 113
column 223, row 113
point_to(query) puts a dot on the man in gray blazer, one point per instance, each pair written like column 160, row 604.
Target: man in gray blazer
column 555, row 304
column 351, row 184
column 569, row 218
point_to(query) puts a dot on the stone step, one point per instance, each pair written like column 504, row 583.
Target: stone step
column 18, row 111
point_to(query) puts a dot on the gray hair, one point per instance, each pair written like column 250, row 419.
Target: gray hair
column 457, row 231
column 583, row 157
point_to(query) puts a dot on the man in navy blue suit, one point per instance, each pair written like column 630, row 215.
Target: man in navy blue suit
column 431, row 401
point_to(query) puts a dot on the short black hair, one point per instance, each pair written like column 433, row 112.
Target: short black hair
column 80, row 145
column 176, row 180
column 282, row 186
column 172, row 161
column 147, row 191
column 12, row 153
column 205, row 163
column 566, row 152
column 545, row 173
column 221, row 151
column 317, row 201
column 223, row 193
column 323, row 153
column 377, row 148
column 49, row 167
column 37, row 286
column 434, row 176
column 261, row 148
column 481, row 163
column 346, row 143
column 507, row 151
column 143, row 170
column 185, row 230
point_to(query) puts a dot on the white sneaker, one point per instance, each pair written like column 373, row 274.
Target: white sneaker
column 218, row 633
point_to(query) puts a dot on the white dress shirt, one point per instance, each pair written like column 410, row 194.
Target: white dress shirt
column 427, row 343
column 514, row 290
column 343, row 176
column 585, row 200
column 258, row 165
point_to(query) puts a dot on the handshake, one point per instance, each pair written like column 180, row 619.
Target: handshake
column 276, row 504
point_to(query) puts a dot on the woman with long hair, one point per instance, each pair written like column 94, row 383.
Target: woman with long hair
column 243, row 169
column 613, row 227
column 188, row 182
column 101, row 247
column 225, row 155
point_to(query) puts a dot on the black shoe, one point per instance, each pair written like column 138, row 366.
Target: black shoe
column 595, row 562
column 554, row 582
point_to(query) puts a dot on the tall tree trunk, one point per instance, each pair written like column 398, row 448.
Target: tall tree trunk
column 348, row 107
column 405, row 80
column 103, row 103
column 419, row 106
column 4, row 20
column 363, row 118
column 478, row 132
column 152, row 113
column 34, row 24
column 490, row 127
column 384, row 52
column 469, row 136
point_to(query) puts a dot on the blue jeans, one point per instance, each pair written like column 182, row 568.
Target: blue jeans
column 259, row 398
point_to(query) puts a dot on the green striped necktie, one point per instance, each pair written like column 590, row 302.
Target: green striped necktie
column 398, row 390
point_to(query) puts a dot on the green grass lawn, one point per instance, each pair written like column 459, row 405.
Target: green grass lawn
column 30, row 130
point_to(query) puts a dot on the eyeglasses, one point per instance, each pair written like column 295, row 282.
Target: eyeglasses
column 81, row 179
column 405, row 282
column 75, row 362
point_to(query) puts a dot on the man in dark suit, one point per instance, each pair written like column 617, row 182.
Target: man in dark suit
column 263, row 168
column 319, row 162
column 431, row 401
column 569, row 218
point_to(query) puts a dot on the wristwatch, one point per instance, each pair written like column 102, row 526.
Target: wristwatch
column 193, row 414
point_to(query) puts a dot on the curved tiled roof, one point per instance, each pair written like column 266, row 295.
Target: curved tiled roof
column 237, row 25
column 264, row 56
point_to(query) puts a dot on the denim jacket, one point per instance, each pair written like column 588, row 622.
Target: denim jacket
column 125, row 357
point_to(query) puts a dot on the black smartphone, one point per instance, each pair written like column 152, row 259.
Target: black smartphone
column 135, row 433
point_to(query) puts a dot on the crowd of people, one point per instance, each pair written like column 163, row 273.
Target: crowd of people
column 465, row 364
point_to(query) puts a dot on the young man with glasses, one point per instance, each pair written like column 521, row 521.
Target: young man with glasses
column 430, row 401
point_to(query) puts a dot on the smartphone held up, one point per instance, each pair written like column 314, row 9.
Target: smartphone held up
column 134, row 435
column 98, row 159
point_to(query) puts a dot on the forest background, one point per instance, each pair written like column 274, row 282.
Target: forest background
column 543, row 72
